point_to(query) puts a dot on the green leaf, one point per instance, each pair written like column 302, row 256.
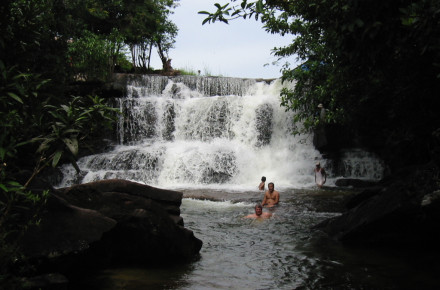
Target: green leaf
column 23, row 143
column 42, row 83
column 70, row 131
column 15, row 97
column 14, row 183
column 259, row 7
column 56, row 115
column 72, row 144
column 45, row 145
column 56, row 158
column 235, row 13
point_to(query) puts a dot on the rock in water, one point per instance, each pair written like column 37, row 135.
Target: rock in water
column 109, row 222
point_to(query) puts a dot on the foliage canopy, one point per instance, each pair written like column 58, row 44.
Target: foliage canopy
column 374, row 65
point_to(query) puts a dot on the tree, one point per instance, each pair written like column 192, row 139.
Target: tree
column 164, row 41
column 373, row 64
column 145, row 24
column 106, row 27
column 44, row 45
column 41, row 125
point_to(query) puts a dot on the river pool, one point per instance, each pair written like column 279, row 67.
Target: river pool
column 281, row 252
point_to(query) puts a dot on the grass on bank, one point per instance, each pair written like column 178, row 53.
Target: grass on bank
column 193, row 72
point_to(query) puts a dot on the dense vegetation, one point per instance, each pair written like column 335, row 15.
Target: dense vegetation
column 374, row 65
column 45, row 47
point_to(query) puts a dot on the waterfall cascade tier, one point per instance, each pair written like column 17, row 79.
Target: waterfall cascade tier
column 192, row 131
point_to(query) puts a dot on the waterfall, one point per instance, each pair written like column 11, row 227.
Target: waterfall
column 190, row 131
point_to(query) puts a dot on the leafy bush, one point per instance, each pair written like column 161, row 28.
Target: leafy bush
column 374, row 65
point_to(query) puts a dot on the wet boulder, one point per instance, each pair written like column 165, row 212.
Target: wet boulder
column 106, row 223
column 404, row 211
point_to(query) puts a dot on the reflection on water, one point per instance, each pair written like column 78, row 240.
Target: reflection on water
column 277, row 253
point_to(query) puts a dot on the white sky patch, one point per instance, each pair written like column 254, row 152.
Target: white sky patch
column 240, row 49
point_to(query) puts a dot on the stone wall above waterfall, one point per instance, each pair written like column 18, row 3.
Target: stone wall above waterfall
column 206, row 86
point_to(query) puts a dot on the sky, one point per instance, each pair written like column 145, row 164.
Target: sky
column 238, row 49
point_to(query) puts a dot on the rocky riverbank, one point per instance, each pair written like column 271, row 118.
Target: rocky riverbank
column 402, row 210
column 89, row 226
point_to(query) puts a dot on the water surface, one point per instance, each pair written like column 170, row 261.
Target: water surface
column 282, row 252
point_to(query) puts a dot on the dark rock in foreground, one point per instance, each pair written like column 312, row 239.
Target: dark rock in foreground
column 109, row 222
column 404, row 211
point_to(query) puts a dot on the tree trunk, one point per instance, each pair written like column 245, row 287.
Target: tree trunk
column 166, row 63
column 149, row 54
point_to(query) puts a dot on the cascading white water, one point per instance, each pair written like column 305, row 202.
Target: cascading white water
column 191, row 131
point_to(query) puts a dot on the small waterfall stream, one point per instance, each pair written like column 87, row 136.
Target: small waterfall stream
column 191, row 131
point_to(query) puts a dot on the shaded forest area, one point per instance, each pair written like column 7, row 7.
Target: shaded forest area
column 49, row 48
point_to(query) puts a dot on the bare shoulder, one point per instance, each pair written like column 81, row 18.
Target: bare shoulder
column 250, row 216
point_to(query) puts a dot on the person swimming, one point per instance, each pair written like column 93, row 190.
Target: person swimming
column 271, row 197
column 259, row 213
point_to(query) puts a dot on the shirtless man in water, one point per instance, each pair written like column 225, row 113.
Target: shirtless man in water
column 259, row 213
column 271, row 197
